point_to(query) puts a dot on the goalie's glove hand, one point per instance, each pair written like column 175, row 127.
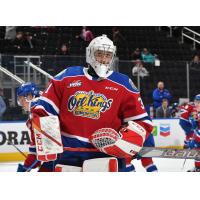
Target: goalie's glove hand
column 21, row 168
column 124, row 144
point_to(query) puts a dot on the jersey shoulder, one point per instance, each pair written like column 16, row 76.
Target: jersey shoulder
column 70, row 72
column 123, row 80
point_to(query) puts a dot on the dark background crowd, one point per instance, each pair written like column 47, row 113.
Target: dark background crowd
column 146, row 54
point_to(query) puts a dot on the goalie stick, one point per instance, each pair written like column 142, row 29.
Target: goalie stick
column 154, row 152
column 23, row 154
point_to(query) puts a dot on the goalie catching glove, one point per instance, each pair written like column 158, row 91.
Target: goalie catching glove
column 124, row 144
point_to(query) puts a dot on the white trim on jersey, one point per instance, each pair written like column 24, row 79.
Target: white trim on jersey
column 197, row 135
column 136, row 117
column 75, row 136
column 184, row 119
column 148, row 122
column 51, row 103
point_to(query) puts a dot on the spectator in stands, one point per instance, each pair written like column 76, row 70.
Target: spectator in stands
column 136, row 55
column 64, row 50
column 29, row 43
column 195, row 64
column 86, row 35
column 2, row 104
column 10, row 33
column 139, row 68
column 121, row 43
column 147, row 56
column 118, row 37
column 163, row 111
column 159, row 94
column 18, row 42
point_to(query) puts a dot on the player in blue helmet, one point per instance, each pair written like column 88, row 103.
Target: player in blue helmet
column 27, row 97
column 27, row 93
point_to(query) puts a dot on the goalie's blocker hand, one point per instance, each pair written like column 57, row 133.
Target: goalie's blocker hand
column 124, row 144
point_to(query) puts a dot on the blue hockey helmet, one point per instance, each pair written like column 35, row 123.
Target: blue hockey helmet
column 197, row 97
column 28, row 88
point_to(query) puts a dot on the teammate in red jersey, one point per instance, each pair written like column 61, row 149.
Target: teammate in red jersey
column 185, row 112
column 94, row 99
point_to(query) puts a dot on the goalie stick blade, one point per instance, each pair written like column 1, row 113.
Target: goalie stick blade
column 148, row 152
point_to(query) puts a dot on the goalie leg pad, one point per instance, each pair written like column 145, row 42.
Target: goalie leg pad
column 101, row 165
column 91, row 165
column 67, row 168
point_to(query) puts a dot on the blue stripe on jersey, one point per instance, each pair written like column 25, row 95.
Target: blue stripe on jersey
column 149, row 142
column 70, row 71
column 122, row 80
column 33, row 103
column 48, row 107
column 144, row 118
column 75, row 143
column 186, row 126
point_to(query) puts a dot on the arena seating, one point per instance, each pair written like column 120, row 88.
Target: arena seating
column 170, row 51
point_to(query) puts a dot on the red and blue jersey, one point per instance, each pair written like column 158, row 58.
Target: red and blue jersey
column 185, row 112
column 85, row 104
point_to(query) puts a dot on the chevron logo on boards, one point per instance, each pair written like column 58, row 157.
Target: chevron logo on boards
column 164, row 130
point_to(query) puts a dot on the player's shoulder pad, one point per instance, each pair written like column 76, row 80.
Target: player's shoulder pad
column 69, row 72
column 123, row 80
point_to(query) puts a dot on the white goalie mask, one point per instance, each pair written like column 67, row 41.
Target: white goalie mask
column 100, row 47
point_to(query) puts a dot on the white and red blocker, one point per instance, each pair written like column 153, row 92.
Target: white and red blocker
column 124, row 144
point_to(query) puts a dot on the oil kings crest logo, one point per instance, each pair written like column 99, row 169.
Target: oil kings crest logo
column 88, row 104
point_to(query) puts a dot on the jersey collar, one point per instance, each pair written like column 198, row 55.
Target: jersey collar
column 85, row 71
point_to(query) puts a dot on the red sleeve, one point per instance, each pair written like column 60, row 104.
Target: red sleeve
column 49, row 101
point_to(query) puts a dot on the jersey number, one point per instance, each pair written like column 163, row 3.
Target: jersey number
column 141, row 103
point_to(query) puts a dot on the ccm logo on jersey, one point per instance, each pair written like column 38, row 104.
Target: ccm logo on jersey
column 75, row 84
column 111, row 88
